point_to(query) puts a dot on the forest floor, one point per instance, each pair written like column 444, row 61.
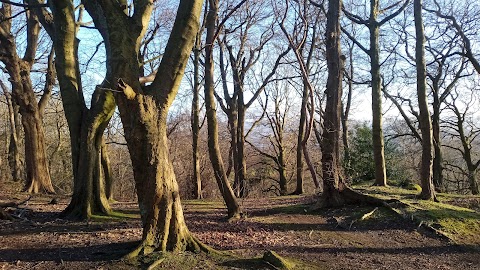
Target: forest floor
column 354, row 237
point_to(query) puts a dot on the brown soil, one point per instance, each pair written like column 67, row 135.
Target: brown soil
column 330, row 239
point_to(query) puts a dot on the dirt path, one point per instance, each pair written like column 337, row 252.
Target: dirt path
column 382, row 242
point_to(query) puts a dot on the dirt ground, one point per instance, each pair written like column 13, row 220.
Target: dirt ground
column 329, row 239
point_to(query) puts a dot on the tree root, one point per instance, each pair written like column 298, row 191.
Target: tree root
column 347, row 196
column 275, row 260
column 191, row 244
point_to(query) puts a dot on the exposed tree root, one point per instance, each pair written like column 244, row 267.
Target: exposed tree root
column 277, row 261
column 347, row 196
column 397, row 207
column 190, row 243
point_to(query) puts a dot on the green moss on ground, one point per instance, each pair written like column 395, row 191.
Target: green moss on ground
column 460, row 224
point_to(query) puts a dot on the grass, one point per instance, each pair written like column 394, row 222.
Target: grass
column 460, row 224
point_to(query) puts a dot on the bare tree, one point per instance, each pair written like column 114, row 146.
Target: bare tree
column 373, row 24
column 23, row 93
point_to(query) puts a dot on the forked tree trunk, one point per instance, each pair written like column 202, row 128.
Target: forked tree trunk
column 86, row 126
column 143, row 111
column 164, row 227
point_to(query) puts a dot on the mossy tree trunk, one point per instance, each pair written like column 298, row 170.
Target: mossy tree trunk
column 37, row 172
column 86, row 126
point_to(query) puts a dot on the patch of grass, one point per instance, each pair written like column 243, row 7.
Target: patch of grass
column 460, row 224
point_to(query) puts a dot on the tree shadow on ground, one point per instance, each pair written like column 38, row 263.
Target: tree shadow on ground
column 113, row 251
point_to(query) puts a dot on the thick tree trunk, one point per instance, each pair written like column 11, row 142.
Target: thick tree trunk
column 164, row 227
column 89, row 194
column 38, row 175
column 428, row 192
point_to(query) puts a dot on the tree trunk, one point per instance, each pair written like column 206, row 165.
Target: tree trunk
column 107, row 173
column 14, row 161
column 472, row 179
column 377, row 130
column 428, row 192
column 332, row 183
column 300, row 137
column 240, row 184
column 233, row 208
column 86, row 126
column 195, row 122
column 437, row 143
column 38, row 175
column 164, row 227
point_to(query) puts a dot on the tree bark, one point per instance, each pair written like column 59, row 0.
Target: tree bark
column 428, row 192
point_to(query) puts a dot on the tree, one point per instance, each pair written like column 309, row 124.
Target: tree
column 298, row 40
column 195, row 118
column 333, row 184
column 277, row 141
column 144, row 110
column 466, row 132
column 233, row 208
column 373, row 25
column 428, row 192
column 23, row 93
column 85, row 125
column 14, row 160
column 243, row 57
